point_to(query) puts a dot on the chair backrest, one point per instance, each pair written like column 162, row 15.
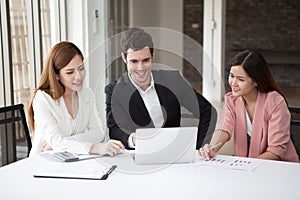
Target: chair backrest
column 295, row 127
column 295, row 116
column 15, row 139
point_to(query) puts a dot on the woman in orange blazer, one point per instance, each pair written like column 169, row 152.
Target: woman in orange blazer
column 255, row 112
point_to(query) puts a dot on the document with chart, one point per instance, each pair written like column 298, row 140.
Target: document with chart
column 230, row 162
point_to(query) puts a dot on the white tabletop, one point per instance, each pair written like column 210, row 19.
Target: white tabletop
column 270, row 180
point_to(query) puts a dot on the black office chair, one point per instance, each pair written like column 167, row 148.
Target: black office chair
column 14, row 136
column 295, row 127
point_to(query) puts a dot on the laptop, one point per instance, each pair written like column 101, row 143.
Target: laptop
column 165, row 145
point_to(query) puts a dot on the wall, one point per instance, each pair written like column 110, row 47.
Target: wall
column 89, row 33
column 268, row 26
column 161, row 14
column 193, row 27
column 263, row 25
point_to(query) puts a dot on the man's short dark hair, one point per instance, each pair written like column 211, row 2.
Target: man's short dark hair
column 136, row 39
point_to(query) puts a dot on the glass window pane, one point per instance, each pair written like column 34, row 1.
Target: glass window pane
column 45, row 27
column 20, row 52
column 20, row 62
column 118, row 22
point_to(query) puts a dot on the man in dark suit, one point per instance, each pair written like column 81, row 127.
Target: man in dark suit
column 144, row 98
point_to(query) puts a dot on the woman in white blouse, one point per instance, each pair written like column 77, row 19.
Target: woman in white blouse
column 63, row 114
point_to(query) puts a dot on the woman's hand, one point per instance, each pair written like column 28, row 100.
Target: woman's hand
column 208, row 151
column 112, row 147
column 46, row 147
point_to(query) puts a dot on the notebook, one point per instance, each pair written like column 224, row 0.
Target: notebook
column 165, row 145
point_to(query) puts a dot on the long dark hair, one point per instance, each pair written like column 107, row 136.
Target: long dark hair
column 258, row 70
column 59, row 56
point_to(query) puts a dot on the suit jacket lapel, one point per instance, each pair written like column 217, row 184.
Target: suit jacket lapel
column 160, row 90
column 241, row 138
column 138, row 110
column 161, row 95
column 258, row 118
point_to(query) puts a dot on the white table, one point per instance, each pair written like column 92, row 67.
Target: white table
column 271, row 180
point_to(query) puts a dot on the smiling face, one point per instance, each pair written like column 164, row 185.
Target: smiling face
column 139, row 65
column 241, row 84
column 72, row 75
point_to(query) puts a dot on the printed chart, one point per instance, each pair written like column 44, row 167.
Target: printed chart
column 234, row 163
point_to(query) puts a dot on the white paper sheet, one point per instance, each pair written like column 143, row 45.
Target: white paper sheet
column 233, row 163
column 83, row 169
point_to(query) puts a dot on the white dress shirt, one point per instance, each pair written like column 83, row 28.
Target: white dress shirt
column 55, row 126
column 152, row 104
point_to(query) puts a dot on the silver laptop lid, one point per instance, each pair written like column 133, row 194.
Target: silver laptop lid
column 165, row 145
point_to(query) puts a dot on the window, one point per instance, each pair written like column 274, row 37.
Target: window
column 26, row 37
column 19, row 51
column 118, row 22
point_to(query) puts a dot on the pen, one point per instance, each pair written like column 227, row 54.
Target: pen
column 109, row 171
column 215, row 146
